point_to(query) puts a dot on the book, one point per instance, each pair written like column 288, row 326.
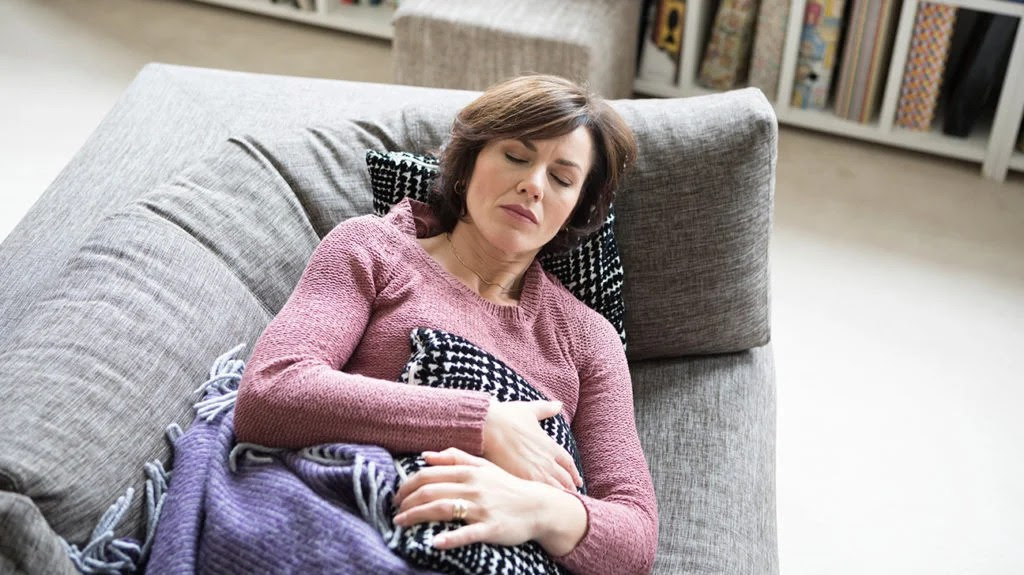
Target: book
column 727, row 54
column 769, row 41
column 964, row 32
column 661, row 45
column 980, row 78
column 816, row 60
column 866, row 53
column 926, row 61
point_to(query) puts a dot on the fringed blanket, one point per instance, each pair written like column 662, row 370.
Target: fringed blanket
column 249, row 509
column 243, row 508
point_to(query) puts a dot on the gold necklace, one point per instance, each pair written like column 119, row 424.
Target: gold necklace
column 505, row 290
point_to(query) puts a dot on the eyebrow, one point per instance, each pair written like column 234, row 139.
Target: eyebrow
column 529, row 146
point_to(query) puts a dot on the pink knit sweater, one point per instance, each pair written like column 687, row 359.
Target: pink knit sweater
column 325, row 370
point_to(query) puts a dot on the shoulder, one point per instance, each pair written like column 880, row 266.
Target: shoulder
column 370, row 232
column 588, row 330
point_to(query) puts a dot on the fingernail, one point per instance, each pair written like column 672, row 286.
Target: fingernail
column 440, row 540
column 429, row 453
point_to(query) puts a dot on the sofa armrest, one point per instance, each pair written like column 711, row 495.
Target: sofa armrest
column 708, row 429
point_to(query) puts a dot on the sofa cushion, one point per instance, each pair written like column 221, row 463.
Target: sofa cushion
column 592, row 271
column 694, row 223
column 715, row 477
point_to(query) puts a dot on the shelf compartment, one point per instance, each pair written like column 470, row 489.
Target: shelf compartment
column 972, row 148
column 1017, row 161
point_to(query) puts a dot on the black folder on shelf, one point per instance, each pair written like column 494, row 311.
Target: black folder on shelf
column 976, row 77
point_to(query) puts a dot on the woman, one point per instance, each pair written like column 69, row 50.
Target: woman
column 531, row 166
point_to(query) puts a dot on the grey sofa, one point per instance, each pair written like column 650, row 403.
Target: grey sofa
column 184, row 222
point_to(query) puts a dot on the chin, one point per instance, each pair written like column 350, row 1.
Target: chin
column 514, row 243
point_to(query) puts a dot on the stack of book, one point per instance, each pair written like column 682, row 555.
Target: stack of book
column 867, row 50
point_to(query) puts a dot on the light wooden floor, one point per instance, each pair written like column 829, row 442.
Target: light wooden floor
column 898, row 288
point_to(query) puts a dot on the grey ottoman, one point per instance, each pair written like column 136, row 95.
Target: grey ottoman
column 471, row 44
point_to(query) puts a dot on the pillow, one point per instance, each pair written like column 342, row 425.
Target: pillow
column 591, row 271
column 441, row 359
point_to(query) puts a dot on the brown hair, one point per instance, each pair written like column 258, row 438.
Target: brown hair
column 537, row 108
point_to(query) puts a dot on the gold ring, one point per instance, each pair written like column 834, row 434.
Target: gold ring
column 459, row 509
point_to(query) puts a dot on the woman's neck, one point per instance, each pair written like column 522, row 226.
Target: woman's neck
column 491, row 273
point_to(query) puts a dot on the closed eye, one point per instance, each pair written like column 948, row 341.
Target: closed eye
column 561, row 182
column 514, row 159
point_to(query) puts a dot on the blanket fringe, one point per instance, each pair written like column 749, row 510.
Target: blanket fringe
column 375, row 505
column 104, row 554
column 220, row 391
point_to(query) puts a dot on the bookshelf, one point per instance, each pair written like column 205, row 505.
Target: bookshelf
column 373, row 21
column 991, row 144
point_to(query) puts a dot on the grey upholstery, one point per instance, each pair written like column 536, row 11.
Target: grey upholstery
column 27, row 544
column 471, row 44
column 133, row 283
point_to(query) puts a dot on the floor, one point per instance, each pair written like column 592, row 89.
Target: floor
column 898, row 288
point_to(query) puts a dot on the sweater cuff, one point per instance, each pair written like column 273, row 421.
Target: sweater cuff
column 470, row 415
column 604, row 547
column 582, row 554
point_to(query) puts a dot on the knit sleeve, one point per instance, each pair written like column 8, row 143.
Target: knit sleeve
column 622, row 513
column 292, row 393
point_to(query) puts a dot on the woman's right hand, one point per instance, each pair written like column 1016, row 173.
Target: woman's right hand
column 515, row 441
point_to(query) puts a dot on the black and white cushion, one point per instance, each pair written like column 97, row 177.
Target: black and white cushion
column 591, row 271
column 441, row 359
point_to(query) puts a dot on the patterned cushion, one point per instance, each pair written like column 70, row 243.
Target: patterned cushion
column 441, row 359
column 591, row 271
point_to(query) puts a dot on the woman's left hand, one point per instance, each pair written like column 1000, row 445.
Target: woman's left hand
column 500, row 508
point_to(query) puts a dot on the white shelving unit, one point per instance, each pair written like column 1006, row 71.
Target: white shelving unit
column 992, row 143
column 374, row 21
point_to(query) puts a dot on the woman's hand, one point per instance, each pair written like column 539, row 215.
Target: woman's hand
column 499, row 508
column 514, row 441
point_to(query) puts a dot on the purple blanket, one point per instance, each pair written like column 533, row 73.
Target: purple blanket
column 250, row 509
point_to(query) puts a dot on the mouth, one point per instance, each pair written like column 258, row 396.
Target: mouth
column 521, row 212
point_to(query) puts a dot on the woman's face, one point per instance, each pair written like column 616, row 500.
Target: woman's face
column 523, row 191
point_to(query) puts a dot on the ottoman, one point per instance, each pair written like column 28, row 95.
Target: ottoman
column 471, row 44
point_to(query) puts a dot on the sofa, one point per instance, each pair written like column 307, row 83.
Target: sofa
column 183, row 223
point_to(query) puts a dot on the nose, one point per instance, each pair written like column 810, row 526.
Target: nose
column 532, row 184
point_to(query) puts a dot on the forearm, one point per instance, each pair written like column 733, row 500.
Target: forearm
column 307, row 404
column 562, row 524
